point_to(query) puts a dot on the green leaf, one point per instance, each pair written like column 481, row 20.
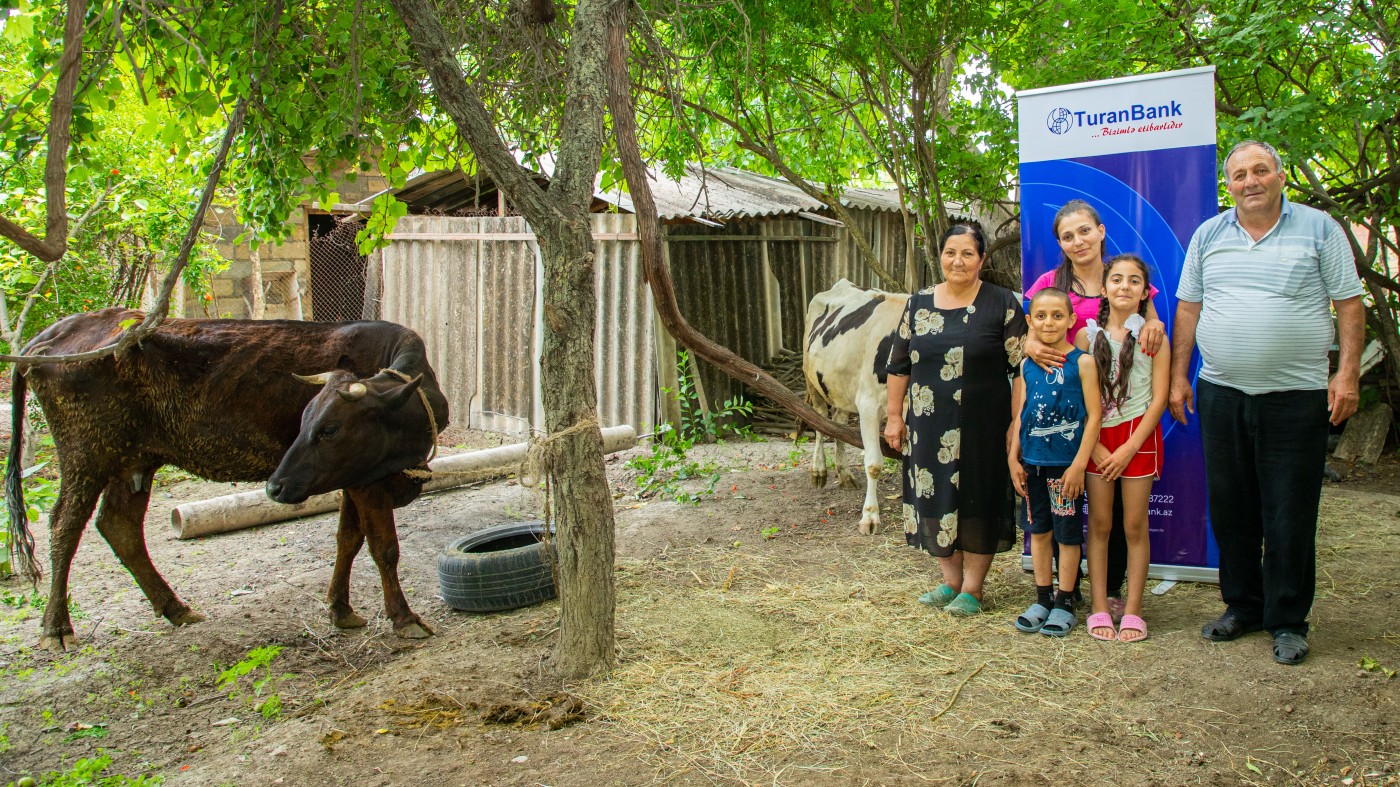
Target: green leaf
column 18, row 27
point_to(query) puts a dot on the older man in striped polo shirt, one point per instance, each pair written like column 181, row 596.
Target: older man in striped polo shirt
column 1254, row 296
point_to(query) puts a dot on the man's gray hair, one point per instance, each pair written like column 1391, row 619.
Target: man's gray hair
column 1251, row 143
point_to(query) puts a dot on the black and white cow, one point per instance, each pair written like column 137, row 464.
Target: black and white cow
column 848, row 343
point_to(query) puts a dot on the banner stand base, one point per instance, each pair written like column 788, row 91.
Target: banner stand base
column 1160, row 571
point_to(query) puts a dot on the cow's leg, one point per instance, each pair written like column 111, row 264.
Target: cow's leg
column 376, row 509
column 122, row 521
column 348, row 540
column 77, row 496
column 817, row 470
column 874, row 463
column 844, row 477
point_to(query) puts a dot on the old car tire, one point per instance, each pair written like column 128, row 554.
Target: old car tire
column 502, row 567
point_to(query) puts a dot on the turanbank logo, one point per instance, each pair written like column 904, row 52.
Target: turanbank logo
column 1108, row 123
column 1060, row 121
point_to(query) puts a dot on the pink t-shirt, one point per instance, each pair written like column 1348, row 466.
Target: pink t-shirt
column 1085, row 309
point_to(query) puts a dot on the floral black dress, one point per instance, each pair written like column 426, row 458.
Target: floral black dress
column 957, row 488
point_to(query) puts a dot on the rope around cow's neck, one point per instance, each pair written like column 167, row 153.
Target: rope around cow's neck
column 539, row 458
column 432, row 420
column 538, row 463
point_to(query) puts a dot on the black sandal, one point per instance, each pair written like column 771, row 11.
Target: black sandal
column 1229, row 626
column 1290, row 647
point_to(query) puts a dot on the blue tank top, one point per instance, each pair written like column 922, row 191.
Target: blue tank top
column 1052, row 419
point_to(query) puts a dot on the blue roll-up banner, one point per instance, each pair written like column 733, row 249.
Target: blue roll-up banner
column 1141, row 150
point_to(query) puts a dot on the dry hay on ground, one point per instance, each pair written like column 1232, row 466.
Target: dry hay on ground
column 748, row 667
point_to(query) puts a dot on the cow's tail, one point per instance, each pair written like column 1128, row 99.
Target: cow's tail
column 21, row 542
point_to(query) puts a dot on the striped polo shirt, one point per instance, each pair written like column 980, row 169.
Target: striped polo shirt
column 1266, row 320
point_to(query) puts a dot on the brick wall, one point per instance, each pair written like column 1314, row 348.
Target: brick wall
column 285, row 267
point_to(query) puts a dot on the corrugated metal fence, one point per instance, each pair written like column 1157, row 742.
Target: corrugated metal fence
column 746, row 285
column 470, row 287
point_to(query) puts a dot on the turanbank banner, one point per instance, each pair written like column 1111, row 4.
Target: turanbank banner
column 1141, row 150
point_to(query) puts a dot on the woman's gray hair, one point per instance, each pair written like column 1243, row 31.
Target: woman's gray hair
column 1252, row 143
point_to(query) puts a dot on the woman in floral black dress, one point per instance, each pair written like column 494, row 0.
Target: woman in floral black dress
column 949, row 369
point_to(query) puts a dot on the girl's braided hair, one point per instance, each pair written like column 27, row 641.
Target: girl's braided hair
column 1115, row 389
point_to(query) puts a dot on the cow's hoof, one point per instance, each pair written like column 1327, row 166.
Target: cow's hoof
column 868, row 527
column 186, row 618
column 849, row 482
column 415, row 630
column 818, row 479
column 349, row 620
column 58, row 643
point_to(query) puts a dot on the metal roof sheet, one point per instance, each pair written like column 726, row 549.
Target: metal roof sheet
column 714, row 194
column 726, row 193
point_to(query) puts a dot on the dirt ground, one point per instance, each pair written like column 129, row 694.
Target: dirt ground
column 761, row 641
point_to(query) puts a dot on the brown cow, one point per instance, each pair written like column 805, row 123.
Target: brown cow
column 219, row 399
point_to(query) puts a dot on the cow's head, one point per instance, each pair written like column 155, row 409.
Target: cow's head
column 355, row 432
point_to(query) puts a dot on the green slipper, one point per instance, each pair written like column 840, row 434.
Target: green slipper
column 939, row 596
column 964, row 605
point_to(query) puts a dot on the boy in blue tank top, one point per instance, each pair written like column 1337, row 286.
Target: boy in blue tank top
column 1055, row 425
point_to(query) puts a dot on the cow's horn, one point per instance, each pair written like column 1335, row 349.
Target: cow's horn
column 314, row 379
column 354, row 393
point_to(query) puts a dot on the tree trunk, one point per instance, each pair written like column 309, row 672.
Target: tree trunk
column 580, row 494
column 1384, row 325
column 559, row 217
column 256, row 307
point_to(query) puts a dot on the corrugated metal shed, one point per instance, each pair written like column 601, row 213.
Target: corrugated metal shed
column 470, row 287
column 727, row 193
column 747, row 254
column 717, row 194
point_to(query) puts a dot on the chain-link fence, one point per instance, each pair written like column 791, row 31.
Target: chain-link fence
column 281, row 294
column 338, row 271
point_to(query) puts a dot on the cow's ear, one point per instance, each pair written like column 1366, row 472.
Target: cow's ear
column 315, row 379
column 395, row 398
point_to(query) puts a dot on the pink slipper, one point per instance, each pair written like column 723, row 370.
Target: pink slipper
column 1100, row 620
column 1133, row 623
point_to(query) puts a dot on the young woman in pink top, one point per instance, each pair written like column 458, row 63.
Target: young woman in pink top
column 1083, row 245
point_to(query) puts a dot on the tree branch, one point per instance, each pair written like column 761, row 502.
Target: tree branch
column 469, row 114
column 161, row 309
column 60, row 133
column 653, row 256
column 768, row 153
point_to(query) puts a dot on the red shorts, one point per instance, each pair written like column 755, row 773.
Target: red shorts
column 1147, row 462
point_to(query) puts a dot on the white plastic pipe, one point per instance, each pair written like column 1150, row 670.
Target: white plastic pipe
column 249, row 509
